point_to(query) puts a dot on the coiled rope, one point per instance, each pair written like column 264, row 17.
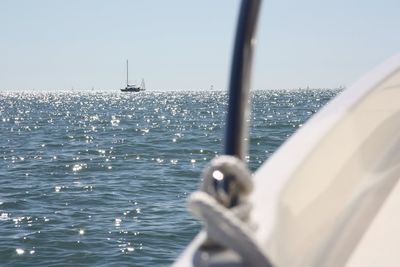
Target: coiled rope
column 222, row 205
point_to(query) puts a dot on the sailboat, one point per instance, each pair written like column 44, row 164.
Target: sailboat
column 132, row 87
column 328, row 197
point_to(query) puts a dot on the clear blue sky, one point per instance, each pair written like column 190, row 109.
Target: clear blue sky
column 186, row 45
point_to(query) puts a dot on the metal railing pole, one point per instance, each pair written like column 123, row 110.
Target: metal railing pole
column 239, row 84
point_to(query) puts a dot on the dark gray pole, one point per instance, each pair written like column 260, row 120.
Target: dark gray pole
column 239, row 84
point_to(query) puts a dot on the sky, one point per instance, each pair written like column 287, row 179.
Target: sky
column 187, row 45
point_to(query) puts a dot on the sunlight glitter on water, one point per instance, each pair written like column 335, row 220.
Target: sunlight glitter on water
column 102, row 178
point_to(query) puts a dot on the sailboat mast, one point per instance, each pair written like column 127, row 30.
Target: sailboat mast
column 127, row 73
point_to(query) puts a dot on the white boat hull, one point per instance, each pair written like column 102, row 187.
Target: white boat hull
column 326, row 196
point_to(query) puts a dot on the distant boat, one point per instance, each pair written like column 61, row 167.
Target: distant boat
column 132, row 87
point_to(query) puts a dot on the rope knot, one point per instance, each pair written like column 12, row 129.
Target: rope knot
column 222, row 205
column 228, row 180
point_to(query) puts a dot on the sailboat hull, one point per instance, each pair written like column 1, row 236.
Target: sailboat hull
column 131, row 89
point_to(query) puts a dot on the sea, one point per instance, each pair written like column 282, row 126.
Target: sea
column 101, row 179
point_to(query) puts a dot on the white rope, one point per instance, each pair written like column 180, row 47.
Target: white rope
column 228, row 227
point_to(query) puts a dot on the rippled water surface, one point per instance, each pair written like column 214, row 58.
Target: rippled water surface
column 101, row 179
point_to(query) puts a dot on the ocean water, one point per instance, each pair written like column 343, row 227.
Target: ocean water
column 101, row 179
